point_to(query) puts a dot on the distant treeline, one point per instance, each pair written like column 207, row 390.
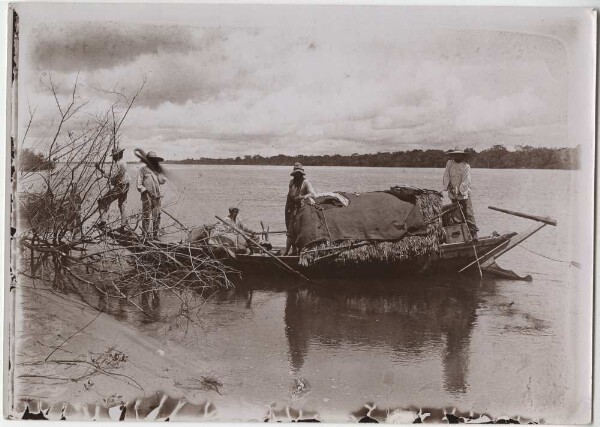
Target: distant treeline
column 496, row 157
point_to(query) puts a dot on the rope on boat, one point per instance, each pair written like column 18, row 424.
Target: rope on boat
column 571, row 263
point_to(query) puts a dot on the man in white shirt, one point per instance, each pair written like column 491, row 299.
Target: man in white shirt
column 148, row 184
column 119, row 186
column 226, row 236
column 457, row 181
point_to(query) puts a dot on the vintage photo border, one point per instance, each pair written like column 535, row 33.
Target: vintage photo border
column 592, row 176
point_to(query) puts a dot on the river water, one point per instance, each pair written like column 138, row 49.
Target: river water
column 498, row 347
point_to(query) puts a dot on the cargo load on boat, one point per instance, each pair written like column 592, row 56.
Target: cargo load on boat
column 382, row 226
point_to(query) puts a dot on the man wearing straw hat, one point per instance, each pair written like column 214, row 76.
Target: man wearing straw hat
column 457, row 181
column 299, row 190
column 119, row 181
column 149, row 180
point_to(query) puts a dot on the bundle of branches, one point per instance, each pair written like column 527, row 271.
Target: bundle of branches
column 57, row 209
column 193, row 265
column 46, row 213
column 353, row 252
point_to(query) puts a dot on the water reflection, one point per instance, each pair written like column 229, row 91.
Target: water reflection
column 150, row 303
column 407, row 319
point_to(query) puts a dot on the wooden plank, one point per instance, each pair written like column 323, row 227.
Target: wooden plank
column 545, row 220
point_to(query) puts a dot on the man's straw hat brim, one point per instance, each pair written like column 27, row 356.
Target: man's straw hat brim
column 298, row 169
column 455, row 151
column 147, row 157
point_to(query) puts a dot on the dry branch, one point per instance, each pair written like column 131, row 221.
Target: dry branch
column 57, row 209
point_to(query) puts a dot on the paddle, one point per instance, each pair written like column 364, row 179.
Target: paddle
column 471, row 238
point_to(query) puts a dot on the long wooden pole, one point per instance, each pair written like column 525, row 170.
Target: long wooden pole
column 484, row 256
column 512, row 243
column 248, row 238
column 545, row 220
column 470, row 237
column 175, row 219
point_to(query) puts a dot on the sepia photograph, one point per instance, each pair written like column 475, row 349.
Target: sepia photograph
column 300, row 213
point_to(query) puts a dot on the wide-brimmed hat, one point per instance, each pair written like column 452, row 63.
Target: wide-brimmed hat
column 298, row 169
column 456, row 151
column 233, row 209
column 151, row 155
column 151, row 159
column 117, row 151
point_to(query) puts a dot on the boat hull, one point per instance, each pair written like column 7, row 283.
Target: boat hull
column 450, row 259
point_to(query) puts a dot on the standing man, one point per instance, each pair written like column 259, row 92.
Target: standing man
column 299, row 190
column 119, row 182
column 148, row 184
column 457, row 181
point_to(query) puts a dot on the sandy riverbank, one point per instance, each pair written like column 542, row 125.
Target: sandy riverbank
column 133, row 366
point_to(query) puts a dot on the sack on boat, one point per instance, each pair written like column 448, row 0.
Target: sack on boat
column 386, row 226
column 198, row 234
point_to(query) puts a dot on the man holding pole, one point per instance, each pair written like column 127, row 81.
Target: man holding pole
column 457, row 181
column 119, row 186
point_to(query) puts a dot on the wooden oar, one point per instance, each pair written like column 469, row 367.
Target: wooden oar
column 249, row 239
column 545, row 220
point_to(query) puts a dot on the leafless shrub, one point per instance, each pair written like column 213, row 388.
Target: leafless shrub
column 53, row 206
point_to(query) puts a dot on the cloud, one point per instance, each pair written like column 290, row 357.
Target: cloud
column 481, row 114
column 93, row 46
column 232, row 91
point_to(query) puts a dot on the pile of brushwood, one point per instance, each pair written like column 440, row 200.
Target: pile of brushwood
column 355, row 252
column 54, row 212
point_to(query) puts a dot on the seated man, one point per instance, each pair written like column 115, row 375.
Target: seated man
column 226, row 236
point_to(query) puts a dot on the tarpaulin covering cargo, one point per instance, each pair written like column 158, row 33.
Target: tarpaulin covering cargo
column 389, row 225
column 369, row 216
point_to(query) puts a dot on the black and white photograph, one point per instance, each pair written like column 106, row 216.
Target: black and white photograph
column 300, row 213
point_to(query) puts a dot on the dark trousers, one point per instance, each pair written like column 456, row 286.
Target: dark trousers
column 118, row 193
column 467, row 210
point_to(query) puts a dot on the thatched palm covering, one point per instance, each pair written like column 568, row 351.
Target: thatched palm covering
column 352, row 252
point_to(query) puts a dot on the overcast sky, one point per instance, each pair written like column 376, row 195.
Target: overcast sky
column 226, row 81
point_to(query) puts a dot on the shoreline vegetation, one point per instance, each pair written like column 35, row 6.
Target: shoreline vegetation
column 30, row 161
column 496, row 157
column 60, row 265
